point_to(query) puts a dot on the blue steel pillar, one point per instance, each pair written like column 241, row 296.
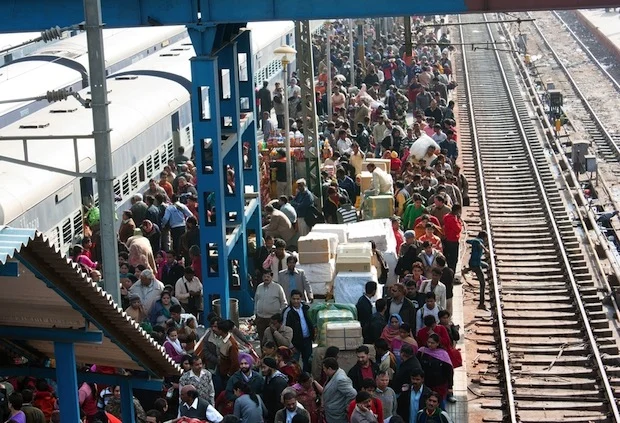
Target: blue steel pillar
column 228, row 64
column 127, row 410
column 206, row 125
column 219, row 132
column 251, row 175
column 66, row 375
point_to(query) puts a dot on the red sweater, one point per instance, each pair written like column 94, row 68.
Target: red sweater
column 452, row 227
column 376, row 406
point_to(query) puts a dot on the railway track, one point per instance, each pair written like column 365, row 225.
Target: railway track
column 554, row 351
column 595, row 108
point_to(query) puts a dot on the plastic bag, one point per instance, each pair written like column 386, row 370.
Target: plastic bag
column 315, row 308
column 420, row 146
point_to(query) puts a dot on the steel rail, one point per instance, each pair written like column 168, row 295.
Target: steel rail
column 492, row 271
column 586, row 50
column 606, row 135
column 608, row 390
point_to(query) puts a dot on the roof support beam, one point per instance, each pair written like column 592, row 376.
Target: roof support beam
column 18, row 16
column 66, row 375
column 10, row 269
column 51, row 334
column 48, row 373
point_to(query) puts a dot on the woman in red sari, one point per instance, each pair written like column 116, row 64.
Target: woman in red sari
column 288, row 366
column 437, row 366
column 306, row 390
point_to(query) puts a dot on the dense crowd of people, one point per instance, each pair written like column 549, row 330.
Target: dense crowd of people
column 404, row 370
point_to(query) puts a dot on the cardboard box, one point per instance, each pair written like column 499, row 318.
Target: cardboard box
column 378, row 207
column 353, row 264
column 366, row 181
column 332, row 315
column 339, row 230
column 309, row 244
column 314, row 257
column 359, row 249
column 316, row 241
column 344, row 335
column 385, row 164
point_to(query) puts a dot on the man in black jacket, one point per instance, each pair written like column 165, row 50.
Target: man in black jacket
column 296, row 317
column 275, row 383
column 408, row 364
column 377, row 323
column 365, row 368
column 364, row 308
column 404, row 400
column 401, row 305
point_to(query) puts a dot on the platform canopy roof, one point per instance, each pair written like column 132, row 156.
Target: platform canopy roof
column 37, row 15
column 43, row 291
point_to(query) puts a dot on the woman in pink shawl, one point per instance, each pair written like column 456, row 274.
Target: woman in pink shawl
column 437, row 366
column 392, row 329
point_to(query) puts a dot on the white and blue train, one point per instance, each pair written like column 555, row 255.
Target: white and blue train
column 150, row 116
column 64, row 65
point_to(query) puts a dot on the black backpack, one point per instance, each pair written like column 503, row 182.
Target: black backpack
column 313, row 216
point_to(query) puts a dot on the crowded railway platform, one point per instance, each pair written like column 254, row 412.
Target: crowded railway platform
column 361, row 290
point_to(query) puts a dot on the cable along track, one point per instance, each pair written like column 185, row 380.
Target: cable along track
column 552, row 336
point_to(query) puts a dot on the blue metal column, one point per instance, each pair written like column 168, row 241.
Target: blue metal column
column 251, row 175
column 128, row 412
column 206, row 122
column 66, row 375
column 246, row 91
column 235, row 203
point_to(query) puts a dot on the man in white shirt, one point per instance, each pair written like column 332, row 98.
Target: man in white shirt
column 343, row 143
column 439, row 136
column 429, row 309
column 188, row 290
column 382, row 182
column 269, row 299
column 195, row 407
column 357, row 157
column 435, row 286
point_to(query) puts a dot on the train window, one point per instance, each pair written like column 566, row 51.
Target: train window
column 117, row 188
column 142, row 172
column 126, row 77
column 134, row 178
column 67, row 235
column 156, row 160
column 242, row 59
column 225, row 86
column 244, row 104
column 125, row 185
column 163, row 153
column 168, row 54
column 170, row 147
column 149, row 167
column 78, row 223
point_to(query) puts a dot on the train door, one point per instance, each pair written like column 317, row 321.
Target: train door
column 175, row 122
